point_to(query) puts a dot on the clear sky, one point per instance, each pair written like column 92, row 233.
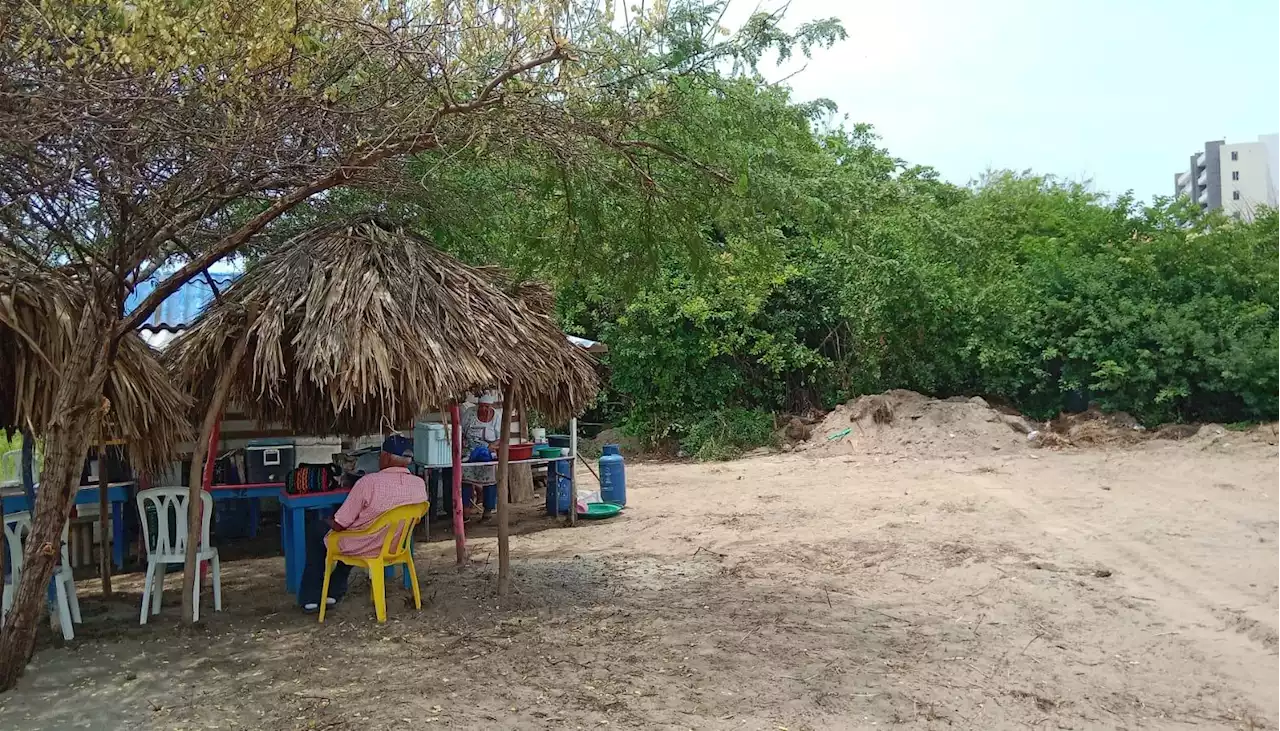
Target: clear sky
column 1119, row 92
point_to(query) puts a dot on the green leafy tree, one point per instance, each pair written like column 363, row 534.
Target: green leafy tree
column 153, row 138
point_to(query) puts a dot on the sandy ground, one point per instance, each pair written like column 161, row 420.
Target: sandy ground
column 1130, row 589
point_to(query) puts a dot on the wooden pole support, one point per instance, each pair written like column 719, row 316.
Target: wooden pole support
column 104, row 517
column 204, row 453
column 573, row 478
column 504, row 472
column 455, row 489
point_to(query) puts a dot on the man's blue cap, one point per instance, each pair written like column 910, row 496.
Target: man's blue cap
column 398, row 445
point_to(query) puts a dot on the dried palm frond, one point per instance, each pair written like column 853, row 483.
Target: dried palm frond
column 359, row 323
column 39, row 309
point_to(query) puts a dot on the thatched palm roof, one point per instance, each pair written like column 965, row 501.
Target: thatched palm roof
column 360, row 323
column 39, row 309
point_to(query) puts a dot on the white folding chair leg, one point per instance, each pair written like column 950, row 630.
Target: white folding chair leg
column 64, row 612
column 217, row 584
column 73, row 601
column 157, row 587
column 195, row 594
column 146, row 592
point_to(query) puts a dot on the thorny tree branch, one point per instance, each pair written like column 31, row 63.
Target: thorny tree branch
column 362, row 161
column 112, row 167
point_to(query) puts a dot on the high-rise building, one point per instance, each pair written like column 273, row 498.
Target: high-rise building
column 1237, row 178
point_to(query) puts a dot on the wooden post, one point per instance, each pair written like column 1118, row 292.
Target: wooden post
column 504, row 453
column 459, row 525
column 520, row 486
column 104, row 516
column 573, row 478
column 205, row 449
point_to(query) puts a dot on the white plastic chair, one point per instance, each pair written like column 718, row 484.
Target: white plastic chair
column 169, row 545
column 16, row 528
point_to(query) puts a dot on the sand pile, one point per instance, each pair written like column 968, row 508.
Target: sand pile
column 901, row 420
column 1093, row 428
column 629, row 445
column 905, row 422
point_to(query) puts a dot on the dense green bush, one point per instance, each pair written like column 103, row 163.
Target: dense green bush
column 726, row 433
column 1042, row 294
column 744, row 257
column 794, row 265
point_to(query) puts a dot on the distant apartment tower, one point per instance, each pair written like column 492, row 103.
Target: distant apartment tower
column 1236, row 178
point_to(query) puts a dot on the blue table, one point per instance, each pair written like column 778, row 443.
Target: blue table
column 252, row 493
column 293, row 532
column 293, row 529
column 118, row 493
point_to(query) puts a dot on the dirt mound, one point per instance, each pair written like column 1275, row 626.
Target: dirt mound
column 1093, row 428
column 629, row 446
column 1177, row 432
column 1213, row 436
column 796, row 430
column 901, row 420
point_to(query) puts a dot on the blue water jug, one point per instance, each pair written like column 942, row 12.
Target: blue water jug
column 559, row 489
column 613, row 476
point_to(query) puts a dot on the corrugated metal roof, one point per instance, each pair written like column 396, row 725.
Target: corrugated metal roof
column 183, row 306
column 591, row 346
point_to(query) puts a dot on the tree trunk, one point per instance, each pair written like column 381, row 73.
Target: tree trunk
column 504, row 452
column 203, row 450
column 520, row 488
column 104, row 514
column 77, row 404
column 195, row 521
column 573, row 475
column 455, row 486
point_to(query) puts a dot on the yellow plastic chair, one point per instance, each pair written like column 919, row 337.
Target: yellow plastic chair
column 396, row 549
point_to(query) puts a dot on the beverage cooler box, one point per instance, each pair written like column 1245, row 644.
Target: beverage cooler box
column 431, row 445
column 268, row 460
column 265, row 460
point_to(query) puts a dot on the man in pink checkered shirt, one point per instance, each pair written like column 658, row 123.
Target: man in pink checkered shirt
column 390, row 487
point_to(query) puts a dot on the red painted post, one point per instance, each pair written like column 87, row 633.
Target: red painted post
column 206, row 480
column 459, row 530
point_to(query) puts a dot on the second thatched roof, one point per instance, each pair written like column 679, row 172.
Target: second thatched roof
column 361, row 323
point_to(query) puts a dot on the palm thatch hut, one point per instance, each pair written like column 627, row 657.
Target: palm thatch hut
column 39, row 309
column 362, row 323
